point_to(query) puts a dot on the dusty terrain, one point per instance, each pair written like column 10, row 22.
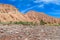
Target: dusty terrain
column 20, row 32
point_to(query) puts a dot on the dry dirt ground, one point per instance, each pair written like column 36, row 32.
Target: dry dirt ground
column 20, row 32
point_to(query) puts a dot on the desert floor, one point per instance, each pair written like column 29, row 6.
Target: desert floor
column 20, row 32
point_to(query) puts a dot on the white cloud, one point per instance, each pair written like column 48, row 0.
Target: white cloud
column 28, row 9
column 41, row 6
column 48, row 1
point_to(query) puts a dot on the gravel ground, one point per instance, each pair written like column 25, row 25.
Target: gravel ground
column 20, row 32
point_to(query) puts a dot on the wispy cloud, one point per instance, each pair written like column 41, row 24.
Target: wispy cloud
column 28, row 9
column 57, row 2
column 41, row 6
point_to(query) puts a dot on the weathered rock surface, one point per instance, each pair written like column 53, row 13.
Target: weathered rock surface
column 9, row 13
column 20, row 32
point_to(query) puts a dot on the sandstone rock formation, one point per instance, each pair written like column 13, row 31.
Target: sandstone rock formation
column 9, row 13
column 38, row 16
column 5, row 8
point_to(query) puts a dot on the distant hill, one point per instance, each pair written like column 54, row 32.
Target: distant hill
column 38, row 16
column 9, row 13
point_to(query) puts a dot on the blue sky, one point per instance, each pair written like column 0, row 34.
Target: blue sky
column 49, row 7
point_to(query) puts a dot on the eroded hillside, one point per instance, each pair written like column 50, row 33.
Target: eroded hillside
column 9, row 13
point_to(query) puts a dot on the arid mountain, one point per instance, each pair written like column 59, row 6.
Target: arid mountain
column 9, row 13
column 37, row 17
column 5, row 8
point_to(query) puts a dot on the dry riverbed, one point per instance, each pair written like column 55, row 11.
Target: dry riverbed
column 20, row 32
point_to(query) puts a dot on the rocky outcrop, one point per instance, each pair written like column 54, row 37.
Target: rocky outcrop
column 9, row 13
column 38, row 16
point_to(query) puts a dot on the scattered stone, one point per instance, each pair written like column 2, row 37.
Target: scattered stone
column 17, row 32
